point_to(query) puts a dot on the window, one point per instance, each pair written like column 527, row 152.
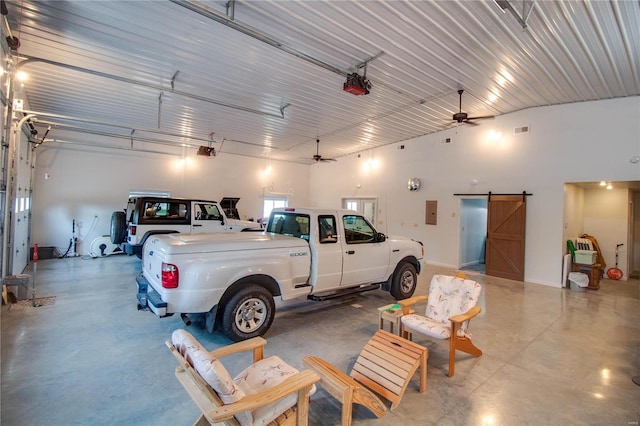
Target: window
column 165, row 210
column 270, row 204
column 294, row 225
column 205, row 211
column 357, row 230
column 327, row 229
column 364, row 206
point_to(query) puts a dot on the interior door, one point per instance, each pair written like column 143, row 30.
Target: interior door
column 506, row 224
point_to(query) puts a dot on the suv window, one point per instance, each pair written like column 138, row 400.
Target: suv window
column 164, row 210
column 204, row 211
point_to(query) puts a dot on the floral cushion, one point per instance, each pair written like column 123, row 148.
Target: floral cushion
column 448, row 296
column 259, row 377
column 208, row 366
column 429, row 327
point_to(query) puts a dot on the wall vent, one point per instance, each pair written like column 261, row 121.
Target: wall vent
column 400, row 147
column 447, row 140
column 523, row 129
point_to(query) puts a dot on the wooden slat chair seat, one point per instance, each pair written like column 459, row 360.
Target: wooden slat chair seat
column 385, row 366
column 283, row 399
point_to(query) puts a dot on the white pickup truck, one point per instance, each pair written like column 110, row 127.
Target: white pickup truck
column 230, row 280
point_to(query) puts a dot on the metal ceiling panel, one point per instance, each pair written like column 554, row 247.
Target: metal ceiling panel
column 266, row 77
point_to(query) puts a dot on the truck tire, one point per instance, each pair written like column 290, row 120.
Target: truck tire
column 405, row 280
column 248, row 313
column 118, row 227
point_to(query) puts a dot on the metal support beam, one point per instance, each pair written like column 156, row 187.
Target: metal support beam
column 252, row 32
column 119, row 126
column 32, row 59
column 527, row 7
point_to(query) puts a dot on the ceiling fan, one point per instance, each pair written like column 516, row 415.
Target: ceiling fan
column 462, row 117
column 318, row 157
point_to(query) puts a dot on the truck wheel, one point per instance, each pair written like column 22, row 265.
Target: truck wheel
column 118, row 227
column 404, row 281
column 249, row 313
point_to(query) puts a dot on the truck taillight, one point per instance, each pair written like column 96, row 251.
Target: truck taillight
column 132, row 229
column 170, row 275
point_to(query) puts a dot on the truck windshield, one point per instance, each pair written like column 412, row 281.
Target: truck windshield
column 292, row 224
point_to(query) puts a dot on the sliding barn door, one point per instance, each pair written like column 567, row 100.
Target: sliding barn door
column 506, row 220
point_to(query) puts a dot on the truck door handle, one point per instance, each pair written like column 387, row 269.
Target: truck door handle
column 196, row 225
column 351, row 252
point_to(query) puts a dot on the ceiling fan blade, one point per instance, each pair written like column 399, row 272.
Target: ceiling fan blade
column 483, row 117
column 471, row 123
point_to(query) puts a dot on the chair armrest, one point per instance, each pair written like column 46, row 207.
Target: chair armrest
column 295, row 383
column 407, row 303
column 471, row 313
column 256, row 344
column 333, row 380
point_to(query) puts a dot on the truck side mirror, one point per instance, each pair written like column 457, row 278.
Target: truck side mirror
column 380, row 237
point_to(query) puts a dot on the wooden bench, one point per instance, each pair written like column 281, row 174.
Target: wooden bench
column 385, row 366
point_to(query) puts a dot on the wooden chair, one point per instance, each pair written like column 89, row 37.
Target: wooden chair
column 451, row 304
column 269, row 391
column 385, row 365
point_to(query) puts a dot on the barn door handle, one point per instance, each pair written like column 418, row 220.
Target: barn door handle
column 351, row 252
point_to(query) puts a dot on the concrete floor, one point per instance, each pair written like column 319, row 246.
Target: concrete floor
column 551, row 356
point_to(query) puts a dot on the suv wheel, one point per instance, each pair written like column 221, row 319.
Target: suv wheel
column 118, row 227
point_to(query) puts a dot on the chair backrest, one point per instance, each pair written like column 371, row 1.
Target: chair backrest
column 207, row 366
column 450, row 296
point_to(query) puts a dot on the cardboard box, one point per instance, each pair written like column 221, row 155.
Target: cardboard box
column 586, row 257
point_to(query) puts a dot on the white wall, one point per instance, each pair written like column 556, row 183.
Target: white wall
column 88, row 184
column 606, row 217
column 581, row 142
column 573, row 221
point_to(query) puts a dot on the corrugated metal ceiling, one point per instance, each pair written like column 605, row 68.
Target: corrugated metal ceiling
column 162, row 67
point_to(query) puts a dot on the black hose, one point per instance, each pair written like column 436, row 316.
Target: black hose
column 66, row 253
